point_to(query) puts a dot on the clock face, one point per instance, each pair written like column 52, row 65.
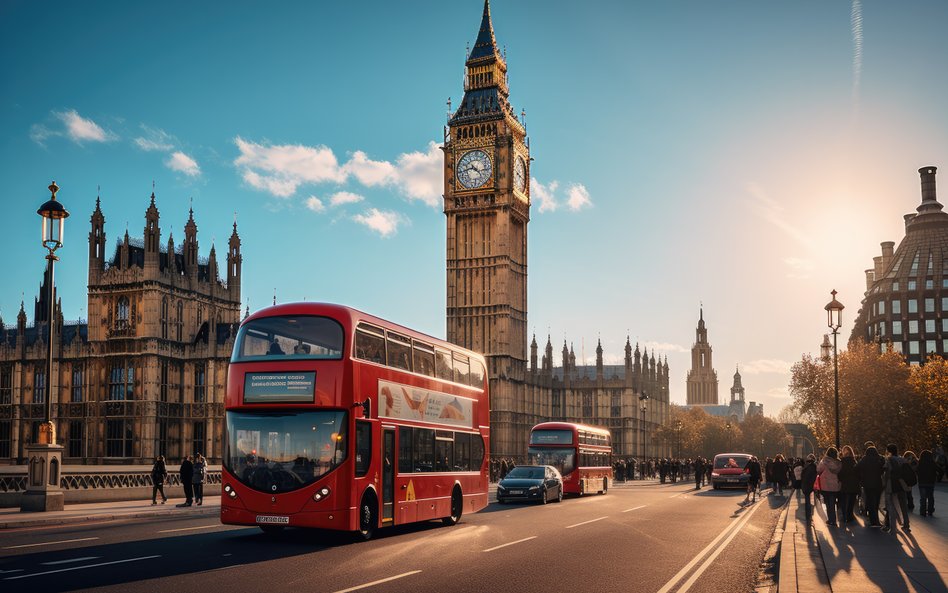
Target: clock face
column 474, row 169
column 520, row 175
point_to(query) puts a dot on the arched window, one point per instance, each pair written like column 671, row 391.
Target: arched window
column 121, row 311
column 164, row 318
column 180, row 320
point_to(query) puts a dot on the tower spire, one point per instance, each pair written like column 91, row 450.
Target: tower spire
column 486, row 44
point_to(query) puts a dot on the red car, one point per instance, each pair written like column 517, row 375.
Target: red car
column 728, row 470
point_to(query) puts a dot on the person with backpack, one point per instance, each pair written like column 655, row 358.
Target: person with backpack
column 870, row 469
column 927, row 476
column 807, row 479
column 849, row 485
column 912, row 461
column 895, row 488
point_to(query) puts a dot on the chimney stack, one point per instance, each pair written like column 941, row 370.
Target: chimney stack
column 870, row 278
column 928, row 184
column 887, row 250
column 877, row 269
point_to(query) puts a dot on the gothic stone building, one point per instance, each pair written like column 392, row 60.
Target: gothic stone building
column 487, row 206
column 146, row 374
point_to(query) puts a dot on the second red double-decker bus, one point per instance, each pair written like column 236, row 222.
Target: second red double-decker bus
column 583, row 454
column 340, row 420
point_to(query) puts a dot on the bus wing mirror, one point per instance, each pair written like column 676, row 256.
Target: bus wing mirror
column 366, row 405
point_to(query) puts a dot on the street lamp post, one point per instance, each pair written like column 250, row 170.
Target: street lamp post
column 728, row 427
column 644, row 398
column 678, row 429
column 43, row 492
column 761, row 446
column 834, row 319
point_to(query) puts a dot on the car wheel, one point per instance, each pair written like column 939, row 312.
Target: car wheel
column 559, row 495
column 544, row 496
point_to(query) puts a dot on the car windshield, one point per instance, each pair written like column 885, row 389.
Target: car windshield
column 288, row 337
column 731, row 462
column 525, row 472
column 281, row 451
column 562, row 458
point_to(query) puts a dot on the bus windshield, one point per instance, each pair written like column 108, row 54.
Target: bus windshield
column 562, row 458
column 281, row 451
column 288, row 337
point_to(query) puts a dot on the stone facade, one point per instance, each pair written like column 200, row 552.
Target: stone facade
column 487, row 208
column 905, row 306
column 146, row 374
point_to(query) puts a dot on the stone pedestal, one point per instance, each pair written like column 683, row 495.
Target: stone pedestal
column 42, row 489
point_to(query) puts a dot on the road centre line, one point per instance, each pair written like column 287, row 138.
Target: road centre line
column 704, row 566
column 519, row 541
column 379, row 582
column 65, row 541
column 585, row 522
column 190, row 528
column 71, row 560
column 635, row 508
column 684, row 570
column 39, row 574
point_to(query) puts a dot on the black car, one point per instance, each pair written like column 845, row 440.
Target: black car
column 541, row 483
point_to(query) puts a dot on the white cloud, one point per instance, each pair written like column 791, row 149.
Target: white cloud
column 545, row 194
column 370, row 173
column 385, row 223
column 281, row 188
column 420, row 175
column 773, row 212
column 182, row 163
column 39, row 133
column 315, row 204
column 344, row 197
column 766, row 366
column 80, row 129
column 155, row 139
column 578, row 197
column 281, row 169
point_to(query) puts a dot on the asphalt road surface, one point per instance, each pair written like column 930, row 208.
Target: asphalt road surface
column 649, row 538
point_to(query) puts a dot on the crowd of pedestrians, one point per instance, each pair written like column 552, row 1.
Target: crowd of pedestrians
column 192, row 475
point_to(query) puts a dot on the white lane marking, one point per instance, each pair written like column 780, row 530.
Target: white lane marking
column 71, row 560
column 379, row 582
column 704, row 566
column 635, row 508
column 684, row 570
column 190, row 528
column 519, row 541
column 39, row 574
column 65, row 541
column 585, row 522
column 11, row 571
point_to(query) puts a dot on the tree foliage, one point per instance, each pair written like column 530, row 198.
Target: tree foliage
column 706, row 435
column 931, row 382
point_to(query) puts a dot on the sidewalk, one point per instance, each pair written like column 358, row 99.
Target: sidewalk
column 855, row 558
column 12, row 518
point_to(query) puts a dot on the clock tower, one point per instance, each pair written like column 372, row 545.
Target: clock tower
column 487, row 205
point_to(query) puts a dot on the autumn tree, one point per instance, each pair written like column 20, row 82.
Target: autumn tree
column 931, row 383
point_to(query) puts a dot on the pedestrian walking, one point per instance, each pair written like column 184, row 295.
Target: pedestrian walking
column 849, row 485
column 797, row 473
column 912, row 460
column 198, row 478
column 752, row 469
column 870, row 469
column 828, row 470
column 699, row 472
column 158, row 476
column 807, row 479
column 895, row 501
column 186, row 473
column 779, row 471
column 927, row 476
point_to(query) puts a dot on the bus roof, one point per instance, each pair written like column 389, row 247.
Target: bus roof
column 571, row 426
column 350, row 318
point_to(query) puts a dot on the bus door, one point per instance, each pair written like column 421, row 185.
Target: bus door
column 406, row 509
column 388, row 474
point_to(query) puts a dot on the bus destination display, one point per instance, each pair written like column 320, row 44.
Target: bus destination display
column 281, row 388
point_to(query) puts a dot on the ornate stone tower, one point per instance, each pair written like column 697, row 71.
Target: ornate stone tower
column 487, row 205
column 737, row 406
column 702, row 378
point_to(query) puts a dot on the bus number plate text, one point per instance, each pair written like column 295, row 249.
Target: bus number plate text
column 273, row 520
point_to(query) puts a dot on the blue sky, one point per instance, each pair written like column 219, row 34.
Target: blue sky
column 747, row 155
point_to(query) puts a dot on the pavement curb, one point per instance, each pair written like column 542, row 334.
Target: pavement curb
column 68, row 520
column 786, row 563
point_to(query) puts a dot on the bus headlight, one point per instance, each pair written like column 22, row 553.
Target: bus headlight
column 321, row 493
column 230, row 491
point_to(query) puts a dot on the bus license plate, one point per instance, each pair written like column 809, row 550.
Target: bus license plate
column 273, row 520
column 516, row 491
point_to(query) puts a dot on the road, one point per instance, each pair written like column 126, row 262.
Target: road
column 664, row 539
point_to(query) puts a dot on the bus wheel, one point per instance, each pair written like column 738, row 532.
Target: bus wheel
column 368, row 517
column 271, row 529
column 457, row 506
column 605, row 486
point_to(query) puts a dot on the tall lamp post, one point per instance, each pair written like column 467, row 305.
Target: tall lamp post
column 762, row 446
column 43, row 492
column 728, row 427
column 678, row 430
column 834, row 319
column 644, row 398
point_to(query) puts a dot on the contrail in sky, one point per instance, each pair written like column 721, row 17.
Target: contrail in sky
column 856, row 21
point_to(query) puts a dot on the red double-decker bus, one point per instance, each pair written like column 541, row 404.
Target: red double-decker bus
column 340, row 420
column 583, row 454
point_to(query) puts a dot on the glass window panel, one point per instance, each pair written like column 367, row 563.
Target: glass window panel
column 913, row 326
column 929, row 305
column 399, row 352
column 444, row 366
column 913, row 306
column 363, row 444
column 913, row 347
column 289, row 337
column 423, row 358
column 405, row 464
column 881, row 307
column 912, row 285
column 896, row 306
column 897, row 346
column 423, row 450
column 370, row 346
column 896, row 328
column 929, row 326
column 462, row 369
column 929, row 346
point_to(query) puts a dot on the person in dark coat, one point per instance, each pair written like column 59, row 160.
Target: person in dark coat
column 807, row 479
column 159, row 473
column 198, row 477
column 869, row 469
column 779, row 471
column 927, row 476
column 752, row 469
column 187, row 472
column 849, row 485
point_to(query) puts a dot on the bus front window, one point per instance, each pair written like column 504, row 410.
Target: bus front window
column 281, row 451
column 288, row 336
column 562, row 458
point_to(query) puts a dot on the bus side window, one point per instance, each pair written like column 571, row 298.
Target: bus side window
column 462, row 369
column 423, row 355
column 399, row 352
column 404, row 450
column 462, row 451
column 477, row 374
column 477, row 452
column 444, row 368
column 423, row 450
column 363, row 444
column 370, row 347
